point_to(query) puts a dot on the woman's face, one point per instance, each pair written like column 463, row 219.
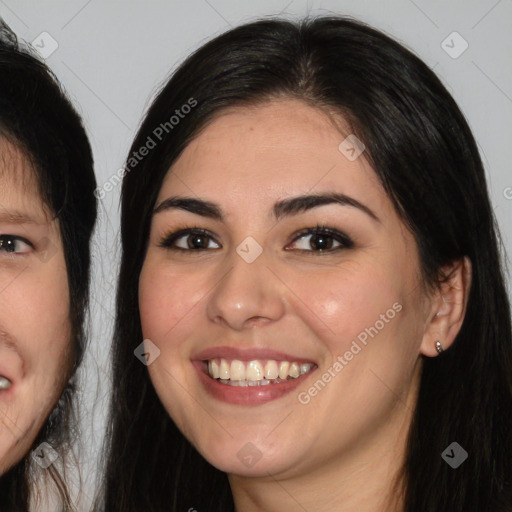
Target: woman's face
column 34, row 309
column 334, row 319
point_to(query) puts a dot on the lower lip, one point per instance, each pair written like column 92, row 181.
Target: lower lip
column 249, row 395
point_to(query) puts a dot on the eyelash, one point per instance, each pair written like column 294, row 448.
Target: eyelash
column 5, row 239
column 344, row 240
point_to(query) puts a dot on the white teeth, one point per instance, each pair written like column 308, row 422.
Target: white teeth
column 255, row 373
column 224, row 369
column 239, row 383
column 283, row 369
column 252, row 383
column 237, row 370
column 271, row 370
column 294, row 370
column 5, row 383
column 213, row 369
column 304, row 368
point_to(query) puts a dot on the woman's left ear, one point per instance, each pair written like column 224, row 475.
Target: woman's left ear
column 448, row 308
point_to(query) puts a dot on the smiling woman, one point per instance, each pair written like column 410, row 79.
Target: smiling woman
column 47, row 213
column 317, row 226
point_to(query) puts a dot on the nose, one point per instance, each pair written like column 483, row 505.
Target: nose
column 248, row 295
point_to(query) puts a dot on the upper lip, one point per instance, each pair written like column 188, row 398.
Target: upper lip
column 247, row 354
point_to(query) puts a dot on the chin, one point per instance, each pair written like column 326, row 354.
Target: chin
column 243, row 457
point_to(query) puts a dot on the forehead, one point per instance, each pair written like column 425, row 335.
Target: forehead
column 280, row 148
column 19, row 188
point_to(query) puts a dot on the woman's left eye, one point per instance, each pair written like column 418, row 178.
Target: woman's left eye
column 12, row 244
column 320, row 240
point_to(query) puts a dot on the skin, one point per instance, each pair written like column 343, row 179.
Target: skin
column 343, row 449
column 34, row 308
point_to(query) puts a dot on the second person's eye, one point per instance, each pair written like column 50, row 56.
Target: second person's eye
column 12, row 244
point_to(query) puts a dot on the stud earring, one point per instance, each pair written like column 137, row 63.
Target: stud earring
column 439, row 347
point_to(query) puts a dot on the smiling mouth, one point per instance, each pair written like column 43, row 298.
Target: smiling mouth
column 234, row 372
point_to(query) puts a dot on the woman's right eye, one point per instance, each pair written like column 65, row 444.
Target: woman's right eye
column 195, row 239
column 11, row 244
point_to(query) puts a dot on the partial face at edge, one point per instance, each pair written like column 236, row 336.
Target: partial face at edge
column 35, row 328
column 348, row 302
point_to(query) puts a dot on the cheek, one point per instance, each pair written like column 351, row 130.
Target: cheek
column 374, row 343
column 35, row 313
column 50, row 311
column 347, row 302
column 51, row 350
column 167, row 299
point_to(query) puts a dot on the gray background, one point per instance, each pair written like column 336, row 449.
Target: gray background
column 112, row 55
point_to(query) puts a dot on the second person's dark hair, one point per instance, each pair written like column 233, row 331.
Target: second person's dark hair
column 37, row 117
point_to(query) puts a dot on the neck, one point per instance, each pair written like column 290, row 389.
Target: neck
column 366, row 487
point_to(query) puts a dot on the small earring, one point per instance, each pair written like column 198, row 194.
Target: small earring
column 439, row 347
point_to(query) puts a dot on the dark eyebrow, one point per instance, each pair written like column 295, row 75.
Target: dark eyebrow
column 189, row 204
column 284, row 208
column 295, row 205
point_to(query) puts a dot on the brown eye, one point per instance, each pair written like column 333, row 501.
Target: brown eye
column 11, row 244
column 321, row 240
column 196, row 241
column 189, row 240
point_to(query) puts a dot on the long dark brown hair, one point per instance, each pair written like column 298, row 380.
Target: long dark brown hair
column 424, row 153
